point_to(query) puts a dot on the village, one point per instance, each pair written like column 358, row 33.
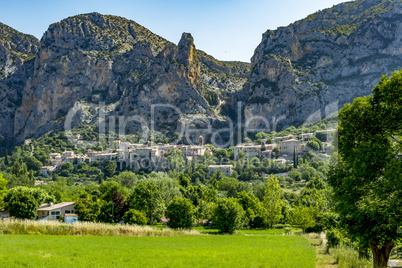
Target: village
column 134, row 156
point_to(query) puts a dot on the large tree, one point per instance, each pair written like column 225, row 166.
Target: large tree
column 23, row 202
column 272, row 201
column 148, row 198
column 181, row 213
column 228, row 215
column 367, row 180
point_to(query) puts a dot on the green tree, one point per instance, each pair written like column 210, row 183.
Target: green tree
column 276, row 151
column 367, row 181
column 169, row 187
column 317, row 141
column 3, row 191
column 127, row 179
column 181, row 213
column 134, row 216
column 87, row 209
column 302, row 216
column 148, row 198
column 253, row 208
column 229, row 185
column 313, row 145
column 68, row 167
column 228, row 215
column 23, row 202
column 110, row 168
column 33, row 163
column 272, row 201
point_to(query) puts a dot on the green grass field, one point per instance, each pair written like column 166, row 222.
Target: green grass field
column 180, row 251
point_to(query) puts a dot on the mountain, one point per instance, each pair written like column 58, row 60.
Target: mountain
column 91, row 64
column 334, row 55
column 92, row 58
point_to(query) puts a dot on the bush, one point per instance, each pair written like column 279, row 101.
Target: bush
column 333, row 238
column 180, row 212
column 134, row 216
column 228, row 215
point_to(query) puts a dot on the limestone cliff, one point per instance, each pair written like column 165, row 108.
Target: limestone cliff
column 337, row 54
column 98, row 58
column 16, row 53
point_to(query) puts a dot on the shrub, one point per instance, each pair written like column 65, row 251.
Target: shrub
column 228, row 215
column 134, row 216
column 180, row 212
column 333, row 238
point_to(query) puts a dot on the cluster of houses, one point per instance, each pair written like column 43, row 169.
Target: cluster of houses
column 288, row 145
column 149, row 156
column 129, row 155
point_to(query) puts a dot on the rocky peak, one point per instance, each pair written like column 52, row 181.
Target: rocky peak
column 188, row 57
column 101, row 34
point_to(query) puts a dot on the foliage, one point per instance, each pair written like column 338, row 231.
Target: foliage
column 333, row 238
column 366, row 181
column 147, row 198
column 253, row 208
column 229, row 185
column 313, row 145
column 302, row 217
column 180, row 212
column 23, row 202
column 228, row 215
column 87, row 209
column 3, row 191
column 134, row 216
column 272, row 201
column 169, row 187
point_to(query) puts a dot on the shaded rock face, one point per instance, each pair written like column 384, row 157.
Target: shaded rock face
column 16, row 53
column 324, row 61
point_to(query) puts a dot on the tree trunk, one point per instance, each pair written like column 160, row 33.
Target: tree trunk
column 380, row 254
column 363, row 255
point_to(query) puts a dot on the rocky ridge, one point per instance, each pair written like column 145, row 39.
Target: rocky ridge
column 318, row 64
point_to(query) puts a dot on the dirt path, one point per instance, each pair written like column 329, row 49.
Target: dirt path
column 395, row 263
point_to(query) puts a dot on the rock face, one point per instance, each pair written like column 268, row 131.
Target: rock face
column 140, row 80
column 107, row 59
column 16, row 53
column 331, row 56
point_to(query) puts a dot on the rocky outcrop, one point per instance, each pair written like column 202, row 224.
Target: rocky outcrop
column 332, row 56
column 16, row 53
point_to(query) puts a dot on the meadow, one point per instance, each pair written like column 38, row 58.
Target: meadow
column 176, row 251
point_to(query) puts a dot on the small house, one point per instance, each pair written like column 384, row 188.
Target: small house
column 54, row 211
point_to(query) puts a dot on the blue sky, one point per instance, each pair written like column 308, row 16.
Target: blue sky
column 227, row 30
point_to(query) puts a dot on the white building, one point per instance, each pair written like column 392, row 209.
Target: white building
column 52, row 211
column 226, row 169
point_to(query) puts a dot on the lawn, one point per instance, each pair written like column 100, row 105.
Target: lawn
column 180, row 251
